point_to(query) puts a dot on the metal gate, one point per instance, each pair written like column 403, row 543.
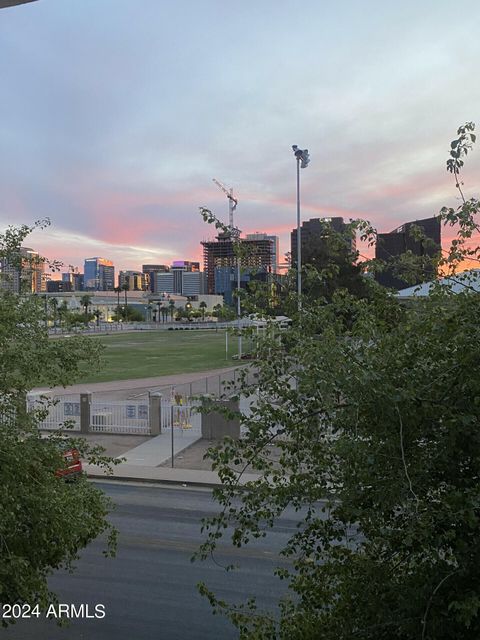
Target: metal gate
column 184, row 417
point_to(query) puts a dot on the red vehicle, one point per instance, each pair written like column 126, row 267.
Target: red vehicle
column 73, row 465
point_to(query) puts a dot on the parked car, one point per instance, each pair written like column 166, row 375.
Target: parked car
column 73, row 465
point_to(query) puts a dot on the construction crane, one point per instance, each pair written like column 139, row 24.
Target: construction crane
column 232, row 205
column 232, row 202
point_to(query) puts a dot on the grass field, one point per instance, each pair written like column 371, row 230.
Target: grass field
column 159, row 353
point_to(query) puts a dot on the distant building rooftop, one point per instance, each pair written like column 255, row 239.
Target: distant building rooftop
column 464, row 281
column 12, row 3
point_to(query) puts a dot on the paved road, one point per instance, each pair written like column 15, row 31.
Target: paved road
column 149, row 589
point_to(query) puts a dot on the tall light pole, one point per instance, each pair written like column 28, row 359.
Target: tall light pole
column 302, row 161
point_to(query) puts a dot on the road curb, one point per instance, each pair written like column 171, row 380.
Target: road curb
column 159, row 481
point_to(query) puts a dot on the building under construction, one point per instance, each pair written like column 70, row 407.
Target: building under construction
column 219, row 259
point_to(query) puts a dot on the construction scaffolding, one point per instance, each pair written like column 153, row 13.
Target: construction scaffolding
column 257, row 255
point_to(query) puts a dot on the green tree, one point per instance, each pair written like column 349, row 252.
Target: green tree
column 125, row 288
column 43, row 521
column 86, row 301
column 332, row 264
column 53, row 302
column 128, row 314
column 164, row 311
column 117, row 291
column 63, row 312
column 374, row 411
column 171, row 306
column 203, row 306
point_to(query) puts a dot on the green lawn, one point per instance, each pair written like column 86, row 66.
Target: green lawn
column 159, row 353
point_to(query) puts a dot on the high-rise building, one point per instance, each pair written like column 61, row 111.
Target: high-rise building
column 179, row 268
column 75, row 279
column 184, row 278
column 163, row 282
column 150, row 270
column 99, row 274
column 24, row 273
column 275, row 247
column 135, row 280
column 318, row 237
column 193, row 283
column 402, row 239
column 220, row 262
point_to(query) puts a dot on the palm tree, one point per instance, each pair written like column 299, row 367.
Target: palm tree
column 117, row 291
column 63, row 312
column 86, row 301
column 171, row 305
column 125, row 288
column 54, row 304
column 203, row 306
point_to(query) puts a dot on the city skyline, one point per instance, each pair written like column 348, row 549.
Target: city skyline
column 117, row 116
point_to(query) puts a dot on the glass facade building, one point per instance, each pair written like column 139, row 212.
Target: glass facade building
column 99, row 275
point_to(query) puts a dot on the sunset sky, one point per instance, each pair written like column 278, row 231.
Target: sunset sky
column 115, row 115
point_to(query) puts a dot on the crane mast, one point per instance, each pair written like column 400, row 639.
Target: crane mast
column 232, row 201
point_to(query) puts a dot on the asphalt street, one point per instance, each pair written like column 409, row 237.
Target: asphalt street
column 148, row 591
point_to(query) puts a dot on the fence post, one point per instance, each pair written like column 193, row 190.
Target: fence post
column 172, row 436
column 85, row 406
column 215, row 425
column 154, row 413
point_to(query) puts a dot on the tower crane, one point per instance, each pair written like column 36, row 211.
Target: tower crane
column 235, row 233
column 232, row 201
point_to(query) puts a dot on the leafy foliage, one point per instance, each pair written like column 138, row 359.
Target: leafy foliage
column 44, row 521
column 127, row 314
column 374, row 407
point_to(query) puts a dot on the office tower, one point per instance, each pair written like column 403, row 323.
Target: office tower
column 75, row 279
column 184, row 278
column 193, row 283
column 178, row 269
column 135, row 280
column 150, row 270
column 275, row 247
column 24, row 273
column 402, row 239
column 321, row 239
column 99, row 274
column 163, row 282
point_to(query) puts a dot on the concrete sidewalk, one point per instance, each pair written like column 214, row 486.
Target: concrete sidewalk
column 163, row 475
column 150, row 462
column 157, row 450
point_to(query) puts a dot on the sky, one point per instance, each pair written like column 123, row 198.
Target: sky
column 115, row 116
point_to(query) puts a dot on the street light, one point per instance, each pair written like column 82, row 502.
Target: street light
column 302, row 161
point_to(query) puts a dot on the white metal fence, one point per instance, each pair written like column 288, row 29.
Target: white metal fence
column 123, row 416
column 65, row 413
column 184, row 417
